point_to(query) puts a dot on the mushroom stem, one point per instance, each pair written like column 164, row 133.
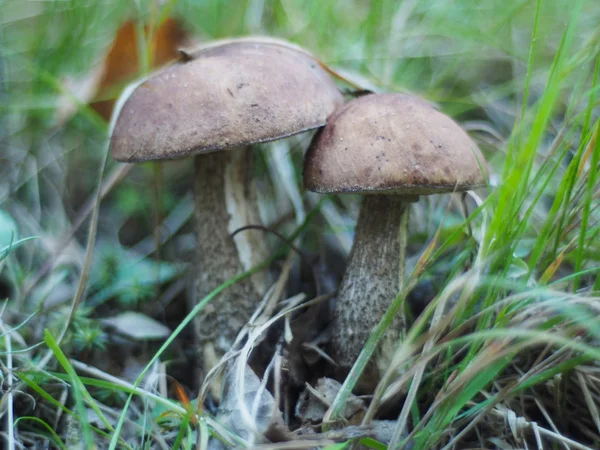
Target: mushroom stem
column 403, row 240
column 226, row 200
column 371, row 281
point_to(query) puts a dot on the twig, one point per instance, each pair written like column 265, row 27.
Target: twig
column 288, row 242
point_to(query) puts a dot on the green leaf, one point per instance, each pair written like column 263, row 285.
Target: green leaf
column 55, row 437
column 80, row 393
column 372, row 443
column 340, row 446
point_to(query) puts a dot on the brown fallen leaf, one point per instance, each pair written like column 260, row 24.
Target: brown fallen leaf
column 122, row 61
column 103, row 83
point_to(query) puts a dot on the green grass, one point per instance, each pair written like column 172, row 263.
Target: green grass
column 511, row 335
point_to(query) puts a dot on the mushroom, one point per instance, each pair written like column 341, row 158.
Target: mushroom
column 226, row 96
column 391, row 148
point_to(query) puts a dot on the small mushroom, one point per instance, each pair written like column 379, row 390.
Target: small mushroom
column 228, row 95
column 391, row 148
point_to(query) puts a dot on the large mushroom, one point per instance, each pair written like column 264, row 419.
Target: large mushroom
column 391, row 148
column 226, row 96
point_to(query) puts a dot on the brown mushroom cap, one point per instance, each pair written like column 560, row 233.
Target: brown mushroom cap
column 237, row 93
column 394, row 144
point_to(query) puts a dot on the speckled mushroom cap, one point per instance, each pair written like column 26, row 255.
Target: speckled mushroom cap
column 237, row 92
column 394, row 144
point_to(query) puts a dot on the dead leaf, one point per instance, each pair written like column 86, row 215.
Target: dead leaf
column 138, row 326
column 122, row 61
column 119, row 65
column 261, row 404
column 314, row 402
